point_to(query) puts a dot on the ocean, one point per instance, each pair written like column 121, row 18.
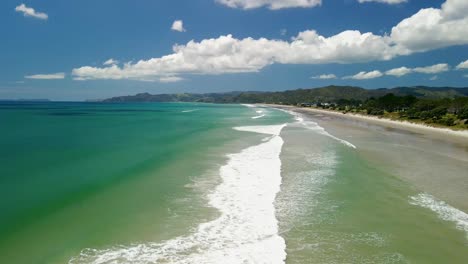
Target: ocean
column 207, row 183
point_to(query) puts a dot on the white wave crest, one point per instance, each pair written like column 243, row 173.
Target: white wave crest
column 257, row 117
column 246, row 231
column 442, row 209
column 189, row 111
column 271, row 130
column 315, row 127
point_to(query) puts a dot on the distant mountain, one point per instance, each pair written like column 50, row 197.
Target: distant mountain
column 323, row 94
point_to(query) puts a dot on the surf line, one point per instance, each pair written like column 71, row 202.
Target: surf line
column 257, row 117
column 443, row 210
column 316, row 127
column 247, row 229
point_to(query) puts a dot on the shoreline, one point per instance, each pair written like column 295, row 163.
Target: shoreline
column 380, row 121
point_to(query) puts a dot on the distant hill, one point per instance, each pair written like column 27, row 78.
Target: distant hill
column 323, row 94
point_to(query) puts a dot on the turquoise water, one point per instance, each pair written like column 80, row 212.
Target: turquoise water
column 79, row 175
column 338, row 205
column 146, row 183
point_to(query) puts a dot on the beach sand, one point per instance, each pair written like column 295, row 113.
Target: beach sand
column 445, row 133
column 431, row 160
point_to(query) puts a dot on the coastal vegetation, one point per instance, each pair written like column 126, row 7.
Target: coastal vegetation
column 441, row 112
column 293, row 97
column 437, row 106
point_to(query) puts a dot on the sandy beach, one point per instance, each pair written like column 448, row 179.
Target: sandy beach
column 431, row 160
column 445, row 133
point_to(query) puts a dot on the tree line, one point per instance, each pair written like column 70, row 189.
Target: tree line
column 447, row 112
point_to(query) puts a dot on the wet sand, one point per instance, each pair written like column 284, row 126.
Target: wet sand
column 430, row 160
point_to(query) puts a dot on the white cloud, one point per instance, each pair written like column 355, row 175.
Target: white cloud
column 391, row 2
column 399, row 71
column 433, row 28
column 178, row 25
column 365, row 75
column 271, row 4
column 433, row 78
column 170, row 79
column 28, row 11
column 52, row 76
column 437, row 68
column 462, row 65
column 324, row 76
column 227, row 54
column 283, row 32
column 466, row 75
column 110, row 62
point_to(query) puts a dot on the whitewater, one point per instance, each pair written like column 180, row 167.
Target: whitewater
column 247, row 229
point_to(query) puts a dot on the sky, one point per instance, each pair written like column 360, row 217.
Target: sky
column 88, row 49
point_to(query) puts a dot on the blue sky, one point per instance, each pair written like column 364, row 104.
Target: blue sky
column 57, row 49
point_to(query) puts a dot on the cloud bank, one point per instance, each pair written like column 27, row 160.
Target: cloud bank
column 390, row 2
column 52, row 76
column 271, row 4
column 437, row 68
column 401, row 71
column 227, row 54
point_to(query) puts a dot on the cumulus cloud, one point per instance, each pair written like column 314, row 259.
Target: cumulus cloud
column 365, row 75
column 462, row 65
column 271, row 4
column 28, row 11
column 52, row 76
column 398, row 72
column 438, row 68
column 391, row 2
column 433, row 28
column 178, row 25
column 227, row 54
column 110, row 62
column 324, row 76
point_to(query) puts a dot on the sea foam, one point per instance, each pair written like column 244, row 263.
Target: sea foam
column 258, row 111
column 316, row 127
column 189, row 111
column 443, row 210
column 257, row 117
column 245, row 232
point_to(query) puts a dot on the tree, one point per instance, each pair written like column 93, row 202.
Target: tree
column 463, row 113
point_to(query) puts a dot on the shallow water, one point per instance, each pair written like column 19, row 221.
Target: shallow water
column 352, row 207
column 198, row 183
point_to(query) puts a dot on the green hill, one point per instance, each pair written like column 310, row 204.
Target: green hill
column 323, row 94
